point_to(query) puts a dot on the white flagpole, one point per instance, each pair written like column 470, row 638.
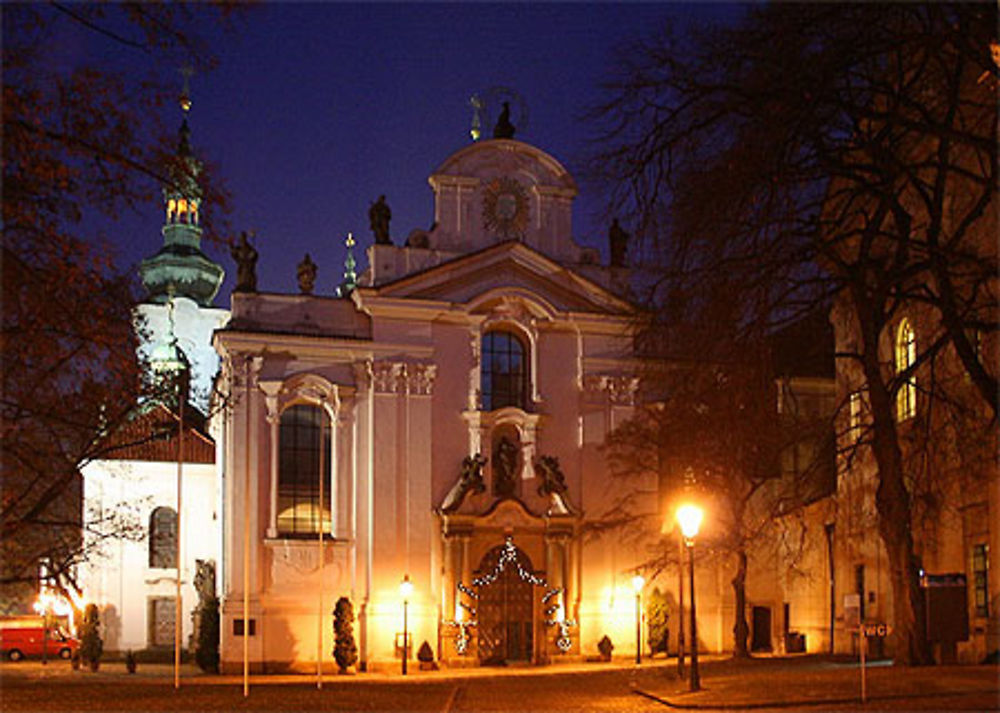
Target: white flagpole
column 246, row 536
column 319, row 509
column 178, row 609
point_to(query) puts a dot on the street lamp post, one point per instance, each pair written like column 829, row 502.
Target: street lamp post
column 405, row 590
column 690, row 516
column 637, row 584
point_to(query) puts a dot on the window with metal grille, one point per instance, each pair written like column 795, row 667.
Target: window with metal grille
column 163, row 538
column 980, row 579
column 303, row 458
column 504, row 371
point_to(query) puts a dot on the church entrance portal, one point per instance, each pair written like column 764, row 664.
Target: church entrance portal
column 506, row 610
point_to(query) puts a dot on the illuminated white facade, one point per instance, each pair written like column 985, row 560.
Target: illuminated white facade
column 130, row 499
column 493, row 334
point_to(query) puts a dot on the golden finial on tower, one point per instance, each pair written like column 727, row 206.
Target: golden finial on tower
column 185, row 97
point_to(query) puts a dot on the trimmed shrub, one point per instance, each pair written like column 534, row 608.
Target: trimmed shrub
column 605, row 647
column 345, row 651
column 206, row 653
column 91, row 644
column 657, row 617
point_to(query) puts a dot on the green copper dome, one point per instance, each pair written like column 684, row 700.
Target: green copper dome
column 180, row 267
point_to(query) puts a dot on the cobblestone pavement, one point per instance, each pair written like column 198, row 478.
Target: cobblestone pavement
column 807, row 684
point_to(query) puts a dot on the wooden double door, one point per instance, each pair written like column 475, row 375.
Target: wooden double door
column 506, row 611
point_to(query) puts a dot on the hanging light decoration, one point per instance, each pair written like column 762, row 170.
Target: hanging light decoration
column 554, row 613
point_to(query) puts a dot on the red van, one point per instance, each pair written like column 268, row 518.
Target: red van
column 17, row 643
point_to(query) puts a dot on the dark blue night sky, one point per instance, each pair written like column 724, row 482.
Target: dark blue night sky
column 318, row 108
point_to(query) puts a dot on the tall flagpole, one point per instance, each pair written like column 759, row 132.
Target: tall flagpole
column 180, row 474
column 319, row 509
column 246, row 533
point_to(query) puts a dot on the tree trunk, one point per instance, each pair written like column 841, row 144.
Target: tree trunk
column 892, row 501
column 741, row 630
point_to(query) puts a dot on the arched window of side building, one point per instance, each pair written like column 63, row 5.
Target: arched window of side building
column 303, row 458
column 163, row 538
column 905, row 358
column 505, row 370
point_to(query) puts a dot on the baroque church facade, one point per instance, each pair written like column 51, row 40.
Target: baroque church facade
column 439, row 423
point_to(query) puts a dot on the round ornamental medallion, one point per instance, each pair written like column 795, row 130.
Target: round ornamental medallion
column 505, row 208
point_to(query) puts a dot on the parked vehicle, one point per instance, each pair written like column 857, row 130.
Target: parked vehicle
column 16, row 643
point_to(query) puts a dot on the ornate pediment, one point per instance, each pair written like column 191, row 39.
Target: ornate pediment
column 507, row 269
column 509, row 515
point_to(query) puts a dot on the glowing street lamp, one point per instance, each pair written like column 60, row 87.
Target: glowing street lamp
column 637, row 584
column 689, row 517
column 405, row 590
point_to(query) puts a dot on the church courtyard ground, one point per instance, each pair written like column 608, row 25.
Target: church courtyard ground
column 801, row 683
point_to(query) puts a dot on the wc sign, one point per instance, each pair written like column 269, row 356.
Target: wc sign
column 867, row 630
column 876, row 629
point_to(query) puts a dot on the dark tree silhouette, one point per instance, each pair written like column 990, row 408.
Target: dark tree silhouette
column 817, row 153
column 81, row 144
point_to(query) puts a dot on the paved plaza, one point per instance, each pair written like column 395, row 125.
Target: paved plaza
column 802, row 683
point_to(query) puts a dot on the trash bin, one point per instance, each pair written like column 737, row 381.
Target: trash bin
column 795, row 643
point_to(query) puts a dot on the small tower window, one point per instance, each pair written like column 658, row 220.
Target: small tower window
column 182, row 210
column 171, row 210
column 193, row 212
column 906, row 357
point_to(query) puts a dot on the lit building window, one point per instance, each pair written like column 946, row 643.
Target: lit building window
column 304, row 448
column 906, row 357
column 171, row 210
column 854, row 416
column 504, row 371
column 163, row 538
column 980, row 579
column 193, row 212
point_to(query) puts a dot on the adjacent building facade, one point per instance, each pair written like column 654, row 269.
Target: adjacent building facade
column 150, row 492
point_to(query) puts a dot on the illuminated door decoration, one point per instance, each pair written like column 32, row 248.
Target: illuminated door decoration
column 502, row 608
column 506, row 612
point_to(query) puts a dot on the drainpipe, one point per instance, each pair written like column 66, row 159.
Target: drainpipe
column 828, row 529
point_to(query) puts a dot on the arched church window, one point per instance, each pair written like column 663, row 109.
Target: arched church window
column 505, row 371
column 163, row 538
column 906, row 357
column 303, row 459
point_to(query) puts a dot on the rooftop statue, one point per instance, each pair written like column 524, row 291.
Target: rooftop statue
column 618, row 239
column 504, row 129
column 246, row 264
column 379, row 216
column 307, row 275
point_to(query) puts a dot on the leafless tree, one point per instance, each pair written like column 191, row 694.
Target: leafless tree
column 820, row 153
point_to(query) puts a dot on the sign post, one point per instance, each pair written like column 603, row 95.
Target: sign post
column 864, row 632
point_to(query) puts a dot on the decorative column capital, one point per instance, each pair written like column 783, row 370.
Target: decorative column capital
column 618, row 389
column 387, row 376
column 271, row 390
column 420, row 378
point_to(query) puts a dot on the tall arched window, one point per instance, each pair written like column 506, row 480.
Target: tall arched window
column 163, row 538
column 906, row 357
column 505, row 368
column 303, row 452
